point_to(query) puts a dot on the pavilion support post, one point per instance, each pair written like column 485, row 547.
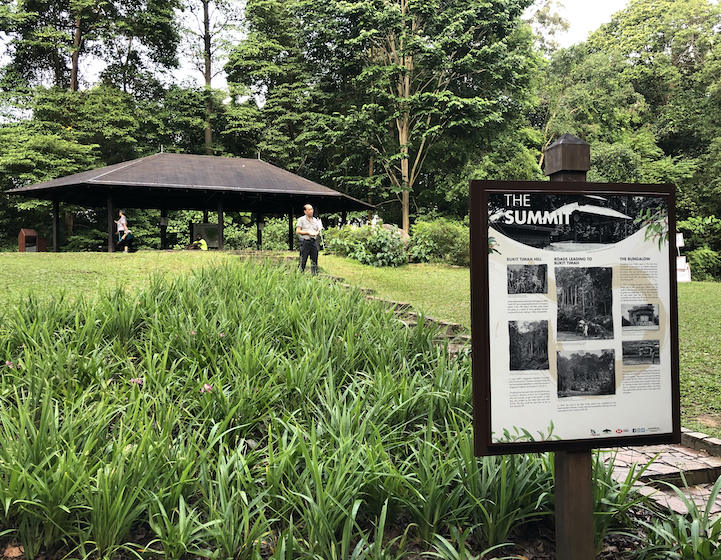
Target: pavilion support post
column 56, row 225
column 205, row 216
column 111, row 223
column 568, row 159
column 163, row 229
column 291, row 231
column 259, row 231
column 220, row 226
column 344, row 217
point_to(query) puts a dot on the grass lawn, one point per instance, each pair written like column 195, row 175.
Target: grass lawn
column 440, row 291
column 43, row 274
column 700, row 356
column 437, row 290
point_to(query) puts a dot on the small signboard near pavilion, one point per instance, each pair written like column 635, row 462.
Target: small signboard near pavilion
column 573, row 298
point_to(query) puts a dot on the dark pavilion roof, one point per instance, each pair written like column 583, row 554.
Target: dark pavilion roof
column 185, row 181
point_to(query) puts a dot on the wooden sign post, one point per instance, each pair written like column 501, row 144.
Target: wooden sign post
column 574, row 324
column 570, row 159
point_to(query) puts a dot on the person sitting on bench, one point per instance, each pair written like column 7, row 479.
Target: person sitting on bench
column 198, row 245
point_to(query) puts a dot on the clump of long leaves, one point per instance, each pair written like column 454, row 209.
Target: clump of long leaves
column 694, row 536
column 613, row 500
column 243, row 412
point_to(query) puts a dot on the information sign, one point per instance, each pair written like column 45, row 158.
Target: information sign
column 574, row 316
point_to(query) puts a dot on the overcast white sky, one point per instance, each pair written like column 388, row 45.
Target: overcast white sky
column 585, row 16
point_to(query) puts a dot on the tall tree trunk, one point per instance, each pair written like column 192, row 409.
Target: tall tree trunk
column 126, row 64
column 405, row 184
column 371, row 166
column 403, row 139
column 208, row 76
column 404, row 131
column 58, row 68
column 77, row 45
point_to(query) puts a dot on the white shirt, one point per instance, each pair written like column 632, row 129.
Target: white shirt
column 314, row 224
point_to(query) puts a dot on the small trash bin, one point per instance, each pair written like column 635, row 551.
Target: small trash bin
column 28, row 241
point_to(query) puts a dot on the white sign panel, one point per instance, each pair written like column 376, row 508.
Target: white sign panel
column 579, row 316
column 683, row 270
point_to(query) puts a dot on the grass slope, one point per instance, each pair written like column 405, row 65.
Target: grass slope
column 441, row 291
column 438, row 290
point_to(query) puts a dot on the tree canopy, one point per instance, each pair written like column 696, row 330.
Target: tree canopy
column 399, row 102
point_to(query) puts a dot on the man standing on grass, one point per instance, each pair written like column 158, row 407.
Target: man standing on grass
column 308, row 229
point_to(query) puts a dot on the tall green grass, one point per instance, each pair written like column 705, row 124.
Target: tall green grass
column 244, row 412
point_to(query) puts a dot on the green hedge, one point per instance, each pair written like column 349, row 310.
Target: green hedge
column 440, row 240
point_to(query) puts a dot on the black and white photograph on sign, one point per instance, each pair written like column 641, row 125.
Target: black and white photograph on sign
column 570, row 222
column 641, row 352
column 584, row 299
column 528, row 345
column 586, row 373
column 527, row 279
column 642, row 316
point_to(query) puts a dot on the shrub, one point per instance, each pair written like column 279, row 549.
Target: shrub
column 460, row 252
column 344, row 240
column 373, row 245
column 705, row 263
column 701, row 231
column 382, row 248
column 440, row 240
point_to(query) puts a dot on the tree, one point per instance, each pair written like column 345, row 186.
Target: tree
column 32, row 152
column 394, row 77
column 215, row 19
column 436, row 69
column 640, row 91
column 48, row 38
column 146, row 38
column 270, row 66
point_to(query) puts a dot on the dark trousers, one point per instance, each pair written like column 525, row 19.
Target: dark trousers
column 309, row 248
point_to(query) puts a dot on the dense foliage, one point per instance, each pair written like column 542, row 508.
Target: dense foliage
column 376, row 245
column 382, row 99
column 203, row 416
column 440, row 240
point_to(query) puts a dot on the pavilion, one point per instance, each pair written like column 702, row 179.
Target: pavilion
column 167, row 181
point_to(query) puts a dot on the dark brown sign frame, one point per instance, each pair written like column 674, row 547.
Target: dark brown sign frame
column 481, row 343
